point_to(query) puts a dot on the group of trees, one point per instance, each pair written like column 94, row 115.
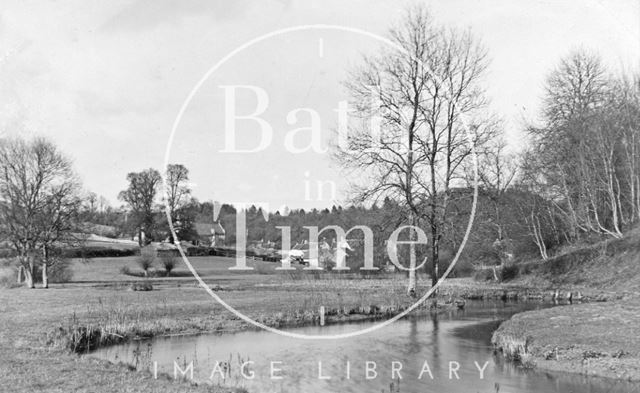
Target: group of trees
column 39, row 203
column 585, row 156
column 146, row 210
column 44, row 210
column 579, row 175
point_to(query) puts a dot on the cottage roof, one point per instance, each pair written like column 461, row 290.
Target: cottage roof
column 208, row 229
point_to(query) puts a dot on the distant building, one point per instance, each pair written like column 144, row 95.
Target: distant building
column 300, row 252
column 210, row 234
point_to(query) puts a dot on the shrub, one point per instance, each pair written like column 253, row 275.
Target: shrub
column 146, row 259
column 141, row 286
column 168, row 262
column 509, row 272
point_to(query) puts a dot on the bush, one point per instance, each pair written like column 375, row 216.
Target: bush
column 146, row 259
column 141, row 286
column 509, row 272
column 169, row 262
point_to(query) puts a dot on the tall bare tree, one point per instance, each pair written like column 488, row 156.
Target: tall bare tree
column 39, row 202
column 178, row 192
column 420, row 94
column 141, row 198
column 628, row 95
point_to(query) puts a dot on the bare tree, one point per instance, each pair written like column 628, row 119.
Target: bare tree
column 576, row 86
column 497, row 170
column 586, row 150
column 628, row 90
column 178, row 192
column 141, row 196
column 420, row 94
column 39, row 202
column 92, row 202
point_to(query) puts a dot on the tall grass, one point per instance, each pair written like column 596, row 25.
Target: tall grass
column 112, row 322
column 289, row 304
column 515, row 348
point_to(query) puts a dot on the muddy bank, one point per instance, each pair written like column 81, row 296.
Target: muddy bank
column 81, row 338
column 477, row 290
column 113, row 328
column 598, row 339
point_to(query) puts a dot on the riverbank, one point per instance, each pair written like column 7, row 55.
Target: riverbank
column 35, row 356
column 591, row 339
column 36, row 324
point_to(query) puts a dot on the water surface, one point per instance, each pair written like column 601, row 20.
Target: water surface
column 441, row 353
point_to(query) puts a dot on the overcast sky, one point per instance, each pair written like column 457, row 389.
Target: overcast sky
column 105, row 80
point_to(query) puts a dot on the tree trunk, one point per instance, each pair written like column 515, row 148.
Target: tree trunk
column 411, row 288
column 172, row 239
column 45, row 277
column 20, row 274
column 29, row 272
column 45, row 267
column 435, row 255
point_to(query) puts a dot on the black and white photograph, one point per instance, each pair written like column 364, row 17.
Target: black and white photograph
column 320, row 196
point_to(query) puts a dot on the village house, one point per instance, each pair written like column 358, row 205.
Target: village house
column 209, row 234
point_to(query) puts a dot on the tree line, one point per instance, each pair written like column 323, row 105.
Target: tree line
column 577, row 177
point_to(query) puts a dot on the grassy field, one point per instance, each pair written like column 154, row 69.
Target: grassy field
column 36, row 324
column 40, row 325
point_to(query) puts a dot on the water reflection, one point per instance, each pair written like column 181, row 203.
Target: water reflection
column 446, row 353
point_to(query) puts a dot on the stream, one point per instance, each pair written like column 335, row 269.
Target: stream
column 448, row 352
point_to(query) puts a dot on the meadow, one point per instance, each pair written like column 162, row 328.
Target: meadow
column 45, row 330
